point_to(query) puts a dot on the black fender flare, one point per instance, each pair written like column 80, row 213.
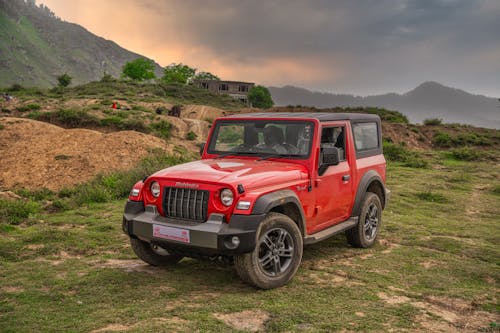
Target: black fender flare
column 368, row 178
column 267, row 202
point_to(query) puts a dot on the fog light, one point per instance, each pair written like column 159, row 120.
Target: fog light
column 232, row 243
column 236, row 241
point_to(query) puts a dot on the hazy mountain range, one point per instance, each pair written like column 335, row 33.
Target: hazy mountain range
column 428, row 100
column 36, row 47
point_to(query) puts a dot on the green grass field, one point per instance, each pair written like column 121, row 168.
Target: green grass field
column 434, row 268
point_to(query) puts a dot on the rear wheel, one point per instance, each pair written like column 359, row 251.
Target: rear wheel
column 366, row 231
column 276, row 256
column 153, row 254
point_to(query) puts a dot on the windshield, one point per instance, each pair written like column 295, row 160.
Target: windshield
column 262, row 137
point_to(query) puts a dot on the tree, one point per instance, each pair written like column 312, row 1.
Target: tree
column 178, row 73
column 260, row 97
column 64, row 80
column 205, row 76
column 139, row 69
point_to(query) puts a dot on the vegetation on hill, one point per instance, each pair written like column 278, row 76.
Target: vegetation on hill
column 35, row 44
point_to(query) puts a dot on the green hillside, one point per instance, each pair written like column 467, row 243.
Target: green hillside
column 36, row 47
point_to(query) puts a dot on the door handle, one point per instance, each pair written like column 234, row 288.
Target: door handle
column 346, row 178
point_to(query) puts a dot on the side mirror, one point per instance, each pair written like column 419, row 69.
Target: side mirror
column 329, row 156
column 202, row 148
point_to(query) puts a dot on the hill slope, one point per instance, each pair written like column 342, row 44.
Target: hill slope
column 36, row 47
column 428, row 100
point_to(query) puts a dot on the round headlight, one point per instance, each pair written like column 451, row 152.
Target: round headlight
column 226, row 196
column 155, row 189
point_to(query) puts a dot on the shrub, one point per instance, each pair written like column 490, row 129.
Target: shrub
column 441, row 139
column 260, row 97
column 69, row 118
column 466, row 154
column 28, row 107
column 2, row 126
column 191, row 136
column 15, row 211
column 16, row 87
column 398, row 153
column 64, row 80
column 161, row 129
column 433, row 121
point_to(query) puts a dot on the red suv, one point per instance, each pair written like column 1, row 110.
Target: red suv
column 267, row 184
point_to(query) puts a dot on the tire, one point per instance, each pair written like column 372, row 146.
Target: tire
column 152, row 254
column 277, row 254
column 365, row 233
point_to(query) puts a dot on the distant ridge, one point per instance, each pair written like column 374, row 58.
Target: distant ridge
column 36, row 47
column 428, row 100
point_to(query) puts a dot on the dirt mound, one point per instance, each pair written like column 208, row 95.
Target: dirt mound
column 202, row 112
column 38, row 155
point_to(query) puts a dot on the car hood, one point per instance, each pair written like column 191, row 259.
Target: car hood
column 249, row 173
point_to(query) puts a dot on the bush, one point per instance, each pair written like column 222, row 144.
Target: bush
column 445, row 140
column 191, row 136
column 441, row 139
column 69, row 118
column 15, row 211
column 28, row 107
column 433, row 122
column 139, row 69
column 15, row 87
column 398, row 153
column 64, row 80
column 161, row 129
column 466, row 154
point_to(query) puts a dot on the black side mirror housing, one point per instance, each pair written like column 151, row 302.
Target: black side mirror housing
column 329, row 156
column 202, row 148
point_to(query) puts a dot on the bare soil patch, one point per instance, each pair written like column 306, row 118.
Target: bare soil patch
column 249, row 320
column 39, row 155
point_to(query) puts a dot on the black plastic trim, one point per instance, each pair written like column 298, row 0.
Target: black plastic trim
column 368, row 178
column 267, row 202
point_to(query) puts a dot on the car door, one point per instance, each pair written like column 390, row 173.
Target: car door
column 333, row 187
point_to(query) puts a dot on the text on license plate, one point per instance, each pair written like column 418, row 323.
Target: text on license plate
column 176, row 234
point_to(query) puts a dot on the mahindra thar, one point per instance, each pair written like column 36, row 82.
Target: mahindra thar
column 266, row 185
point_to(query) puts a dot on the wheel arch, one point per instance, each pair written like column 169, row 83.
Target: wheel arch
column 285, row 202
column 370, row 182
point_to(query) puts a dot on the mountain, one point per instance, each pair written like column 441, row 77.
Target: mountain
column 428, row 100
column 36, row 47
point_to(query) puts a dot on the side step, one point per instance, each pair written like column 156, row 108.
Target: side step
column 331, row 231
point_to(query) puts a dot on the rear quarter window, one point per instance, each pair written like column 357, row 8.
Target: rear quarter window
column 366, row 139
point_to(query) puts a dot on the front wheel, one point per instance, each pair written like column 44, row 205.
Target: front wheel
column 366, row 231
column 277, row 254
column 153, row 254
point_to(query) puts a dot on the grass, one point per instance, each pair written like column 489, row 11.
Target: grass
column 73, row 270
column 446, row 140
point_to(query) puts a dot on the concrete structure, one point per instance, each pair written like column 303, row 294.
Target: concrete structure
column 235, row 89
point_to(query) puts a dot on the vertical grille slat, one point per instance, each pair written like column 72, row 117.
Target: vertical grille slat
column 185, row 203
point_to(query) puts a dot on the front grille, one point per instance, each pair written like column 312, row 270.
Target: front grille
column 185, row 203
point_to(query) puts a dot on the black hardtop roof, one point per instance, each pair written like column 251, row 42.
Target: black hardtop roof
column 321, row 116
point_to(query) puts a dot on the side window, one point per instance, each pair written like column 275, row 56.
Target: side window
column 334, row 137
column 365, row 136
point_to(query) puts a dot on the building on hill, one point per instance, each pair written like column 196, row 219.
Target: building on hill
column 236, row 89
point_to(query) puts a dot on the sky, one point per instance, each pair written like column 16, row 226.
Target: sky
column 360, row 47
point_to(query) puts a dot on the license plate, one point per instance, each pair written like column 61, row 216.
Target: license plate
column 176, row 234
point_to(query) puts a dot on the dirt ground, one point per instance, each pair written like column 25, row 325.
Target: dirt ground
column 39, row 155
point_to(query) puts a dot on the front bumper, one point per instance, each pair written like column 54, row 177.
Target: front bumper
column 212, row 237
